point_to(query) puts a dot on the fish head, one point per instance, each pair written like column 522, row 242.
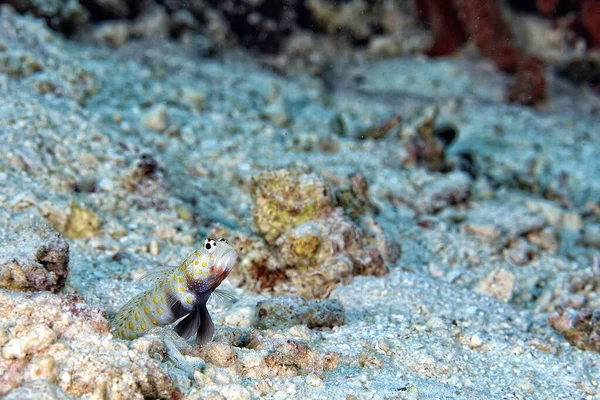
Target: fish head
column 220, row 256
column 210, row 264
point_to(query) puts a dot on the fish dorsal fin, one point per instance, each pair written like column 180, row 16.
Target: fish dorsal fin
column 157, row 274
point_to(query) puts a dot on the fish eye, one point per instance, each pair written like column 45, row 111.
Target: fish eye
column 209, row 244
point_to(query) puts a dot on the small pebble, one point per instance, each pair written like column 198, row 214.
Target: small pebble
column 572, row 221
column 313, row 380
column 154, row 248
column 235, row 392
column 499, row 284
column 156, row 118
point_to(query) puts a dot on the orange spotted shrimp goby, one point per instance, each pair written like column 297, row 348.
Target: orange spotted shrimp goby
column 179, row 292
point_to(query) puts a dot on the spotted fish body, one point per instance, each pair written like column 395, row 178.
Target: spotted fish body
column 179, row 292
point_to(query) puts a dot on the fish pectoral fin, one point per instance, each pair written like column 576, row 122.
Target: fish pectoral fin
column 224, row 296
column 207, row 328
column 188, row 326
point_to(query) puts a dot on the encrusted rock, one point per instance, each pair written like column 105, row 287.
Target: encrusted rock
column 39, row 389
column 75, row 222
column 354, row 198
column 36, row 339
column 547, row 239
column 423, row 147
column 219, row 354
column 35, row 259
column 81, row 223
column 319, row 254
column 66, row 341
column 581, row 329
column 309, row 259
column 283, row 199
column 284, row 312
column 292, row 356
column 577, row 290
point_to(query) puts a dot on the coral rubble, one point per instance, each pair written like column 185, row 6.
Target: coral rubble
column 34, row 259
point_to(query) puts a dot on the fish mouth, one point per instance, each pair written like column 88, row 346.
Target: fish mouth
column 226, row 260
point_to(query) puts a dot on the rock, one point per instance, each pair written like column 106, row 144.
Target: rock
column 449, row 190
column 81, row 223
column 58, row 13
column 512, row 220
column 41, row 368
column 301, row 246
column 3, row 337
column 113, row 33
column 423, row 147
column 79, row 333
column 486, row 231
column 219, row 354
column 153, row 22
column 547, row 239
column 277, row 112
column 233, row 336
column 261, row 26
column 350, row 17
column 291, row 356
column 283, row 199
column 40, row 389
column 36, row 259
column 309, row 259
column 235, row 391
column 354, row 198
column 572, row 221
column 283, row 312
column 549, row 210
column 499, row 284
column 194, row 97
column 156, row 118
column 591, row 236
column 19, row 64
column 319, row 254
column 37, row 339
column 556, row 216
column 520, row 252
column 581, row 329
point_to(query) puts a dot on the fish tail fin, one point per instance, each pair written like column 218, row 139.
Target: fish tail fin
column 207, row 328
column 190, row 324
